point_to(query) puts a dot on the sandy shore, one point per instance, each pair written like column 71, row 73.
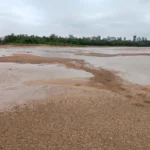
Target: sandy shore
column 106, row 78
column 106, row 113
column 112, row 55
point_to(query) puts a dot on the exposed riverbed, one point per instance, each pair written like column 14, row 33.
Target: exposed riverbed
column 74, row 98
column 131, row 68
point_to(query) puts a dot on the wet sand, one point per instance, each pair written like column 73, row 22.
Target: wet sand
column 15, row 79
column 112, row 55
column 102, row 76
column 103, row 112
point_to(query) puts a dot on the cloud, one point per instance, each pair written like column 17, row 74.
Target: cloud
column 80, row 17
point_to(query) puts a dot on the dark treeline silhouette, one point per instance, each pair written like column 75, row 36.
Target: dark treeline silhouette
column 68, row 41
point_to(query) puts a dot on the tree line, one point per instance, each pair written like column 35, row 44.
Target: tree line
column 68, row 41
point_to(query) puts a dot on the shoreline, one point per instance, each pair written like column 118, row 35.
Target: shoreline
column 47, row 45
column 105, row 79
column 102, row 112
column 112, row 55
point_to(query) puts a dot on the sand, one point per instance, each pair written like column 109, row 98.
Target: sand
column 107, row 113
column 112, row 55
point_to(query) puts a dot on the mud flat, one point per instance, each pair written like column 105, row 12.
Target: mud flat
column 69, row 104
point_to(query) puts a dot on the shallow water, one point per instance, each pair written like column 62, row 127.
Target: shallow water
column 13, row 79
column 133, row 68
column 50, row 51
column 40, row 71
column 114, row 50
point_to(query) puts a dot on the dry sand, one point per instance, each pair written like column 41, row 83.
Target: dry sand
column 107, row 114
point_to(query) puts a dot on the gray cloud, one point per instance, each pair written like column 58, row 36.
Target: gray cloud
column 79, row 17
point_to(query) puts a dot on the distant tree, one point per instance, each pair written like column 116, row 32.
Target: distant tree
column 71, row 36
column 71, row 40
column 53, row 37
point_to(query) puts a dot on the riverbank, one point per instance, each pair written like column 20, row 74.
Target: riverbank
column 102, row 112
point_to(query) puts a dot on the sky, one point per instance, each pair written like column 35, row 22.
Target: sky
column 123, row 18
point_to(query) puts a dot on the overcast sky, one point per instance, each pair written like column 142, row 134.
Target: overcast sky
column 77, row 17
